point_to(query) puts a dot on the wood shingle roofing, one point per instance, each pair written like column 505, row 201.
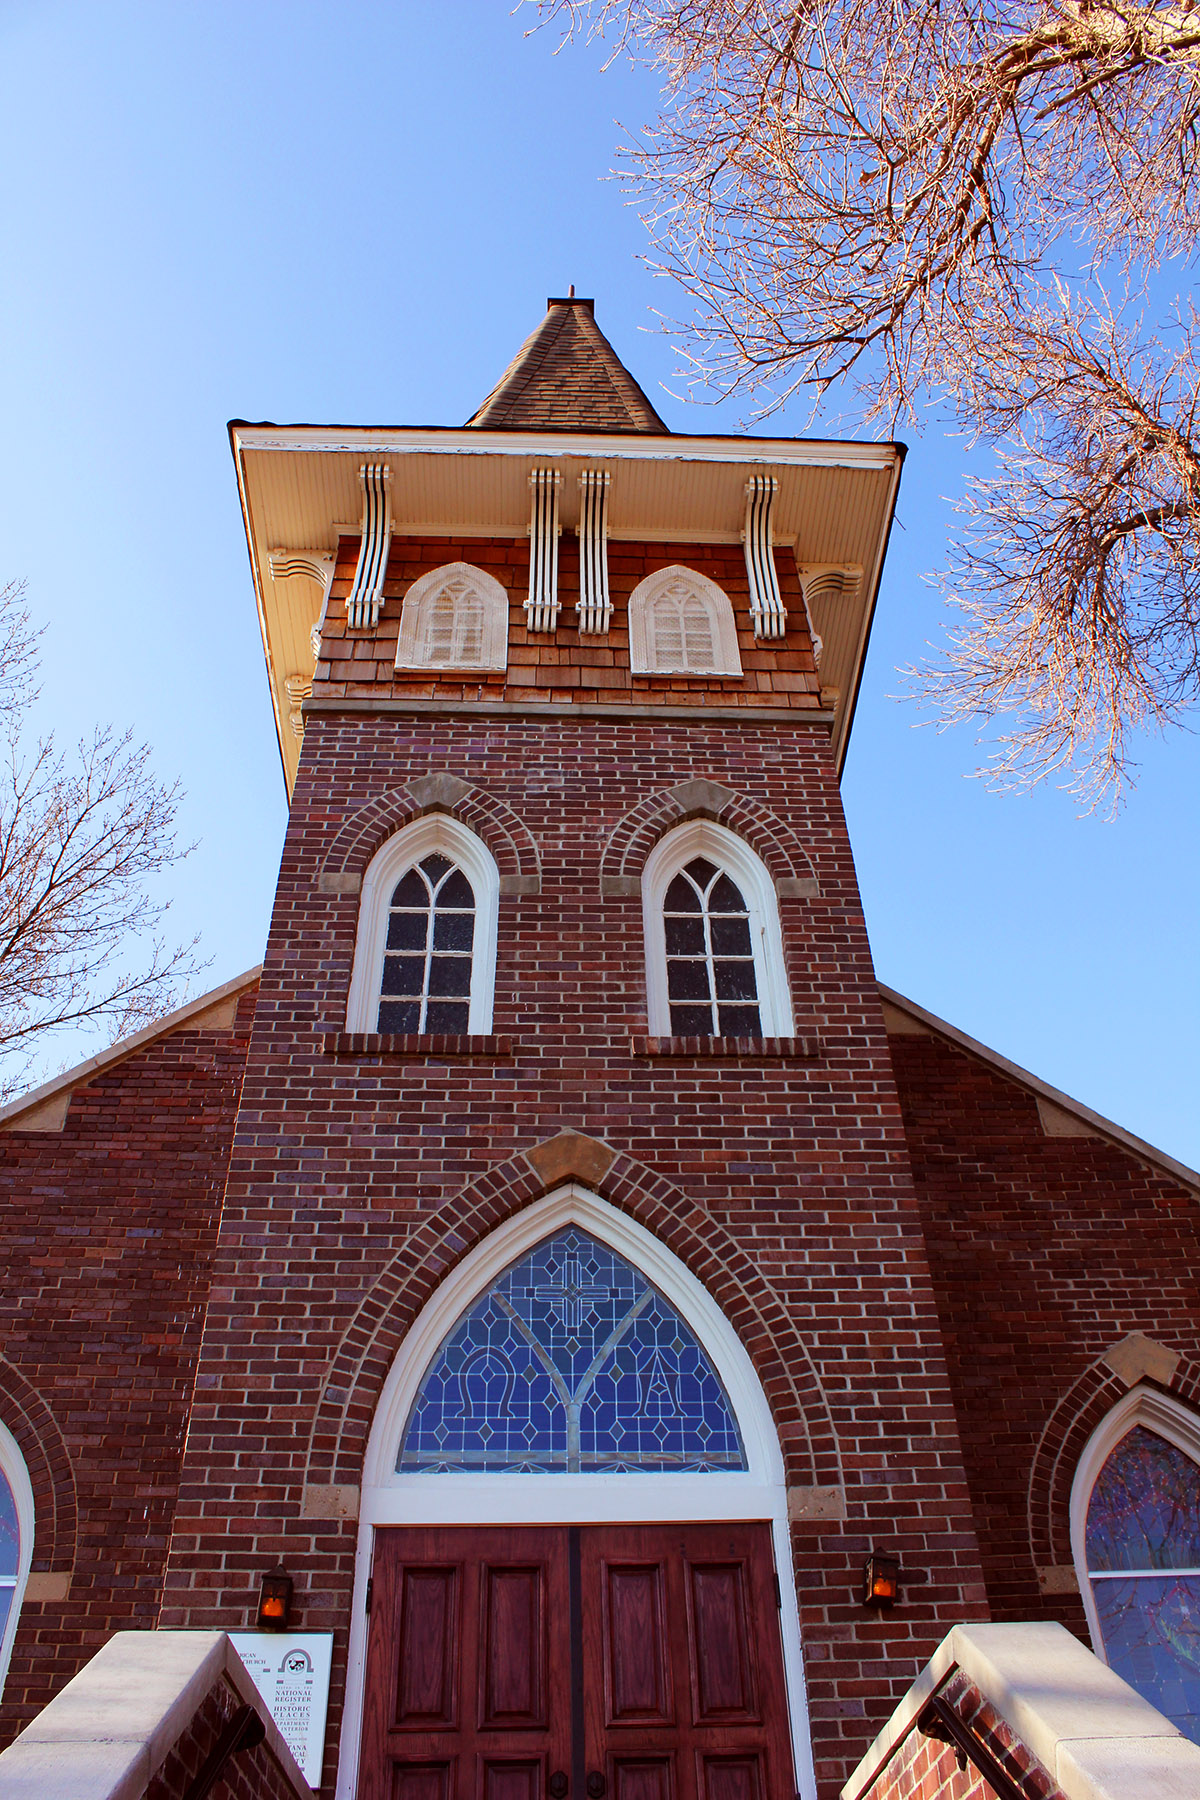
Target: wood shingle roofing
column 567, row 377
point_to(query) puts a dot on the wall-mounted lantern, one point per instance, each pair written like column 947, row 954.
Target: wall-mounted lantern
column 274, row 1601
column 881, row 1579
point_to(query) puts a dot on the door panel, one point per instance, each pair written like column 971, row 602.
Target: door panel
column 514, row 1657
column 637, row 1673
column 723, row 1659
column 637, row 1662
column 425, row 1692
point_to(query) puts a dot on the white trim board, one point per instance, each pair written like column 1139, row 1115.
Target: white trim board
column 389, row 1498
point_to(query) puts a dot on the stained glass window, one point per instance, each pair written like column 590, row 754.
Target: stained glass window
column 427, row 961
column 1143, row 1556
column 571, row 1362
column 712, row 987
column 10, row 1551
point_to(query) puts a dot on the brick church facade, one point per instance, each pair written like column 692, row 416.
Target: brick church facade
column 587, row 667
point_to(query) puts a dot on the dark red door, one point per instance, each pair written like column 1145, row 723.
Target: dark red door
column 641, row 1662
column 684, row 1694
column 468, row 1666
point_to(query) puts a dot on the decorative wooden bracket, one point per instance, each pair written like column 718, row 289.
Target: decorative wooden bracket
column 595, row 607
column 766, row 603
column 299, row 687
column 825, row 581
column 541, row 608
column 366, row 595
column 311, row 565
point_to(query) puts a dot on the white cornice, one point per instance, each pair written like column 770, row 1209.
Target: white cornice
column 644, row 447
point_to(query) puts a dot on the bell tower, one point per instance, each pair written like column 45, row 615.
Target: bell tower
column 568, row 987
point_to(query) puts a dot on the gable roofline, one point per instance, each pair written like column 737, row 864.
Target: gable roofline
column 34, row 1099
column 1101, row 1127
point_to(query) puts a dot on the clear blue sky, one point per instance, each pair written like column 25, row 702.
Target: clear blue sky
column 354, row 213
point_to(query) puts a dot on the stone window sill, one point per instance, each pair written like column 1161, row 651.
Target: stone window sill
column 374, row 1043
column 745, row 1048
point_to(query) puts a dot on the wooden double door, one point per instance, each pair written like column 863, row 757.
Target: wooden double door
column 637, row 1662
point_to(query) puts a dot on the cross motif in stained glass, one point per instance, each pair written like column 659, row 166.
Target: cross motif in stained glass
column 571, row 1362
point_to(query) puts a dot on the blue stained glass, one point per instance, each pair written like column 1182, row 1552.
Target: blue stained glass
column 10, row 1542
column 571, row 1362
column 1151, row 1629
column 1143, row 1522
column 1144, row 1512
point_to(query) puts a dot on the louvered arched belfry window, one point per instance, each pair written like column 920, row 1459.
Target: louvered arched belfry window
column 1136, row 1524
column 714, row 953
column 455, row 617
column 680, row 622
column 425, row 956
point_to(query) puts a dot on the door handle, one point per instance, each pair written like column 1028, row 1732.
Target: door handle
column 557, row 1785
column 597, row 1787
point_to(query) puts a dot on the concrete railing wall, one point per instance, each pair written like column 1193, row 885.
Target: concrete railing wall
column 141, row 1721
column 1030, row 1702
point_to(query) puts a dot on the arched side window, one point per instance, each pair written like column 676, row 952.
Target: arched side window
column 16, row 1540
column 681, row 623
column 570, row 1362
column 1136, row 1537
column 455, row 617
column 425, row 957
column 714, row 953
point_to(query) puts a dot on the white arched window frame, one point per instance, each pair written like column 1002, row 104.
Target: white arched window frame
column 757, row 1492
column 1157, row 1413
column 648, row 655
column 701, row 837
column 434, row 832
column 473, row 634
column 12, row 1581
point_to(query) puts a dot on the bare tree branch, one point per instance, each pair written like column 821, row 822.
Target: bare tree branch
column 81, row 835
column 892, row 192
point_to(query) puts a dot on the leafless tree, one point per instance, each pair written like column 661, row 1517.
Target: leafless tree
column 81, row 834
column 965, row 203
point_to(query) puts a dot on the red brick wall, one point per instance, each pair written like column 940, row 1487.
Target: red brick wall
column 250, row 1774
column 568, row 667
column 356, row 1181
column 925, row 1768
column 1045, row 1252
column 107, row 1230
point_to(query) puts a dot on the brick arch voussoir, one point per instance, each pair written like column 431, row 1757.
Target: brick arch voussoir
column 770, row 837
column 51, row 1475
column 492, row 819
column 375, row 1336
column 1091, row 1396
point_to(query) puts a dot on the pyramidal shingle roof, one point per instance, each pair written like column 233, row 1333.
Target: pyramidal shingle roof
column 567, row 377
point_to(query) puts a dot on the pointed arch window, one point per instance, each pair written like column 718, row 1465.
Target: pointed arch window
column 680, row 622
column 425, row 957
column 1137, row 1507
column 571, row 1362
column 714, row 953
column 455, row 617
column 16, row 1540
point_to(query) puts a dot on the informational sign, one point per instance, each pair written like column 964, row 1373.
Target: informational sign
column 290, row 1669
